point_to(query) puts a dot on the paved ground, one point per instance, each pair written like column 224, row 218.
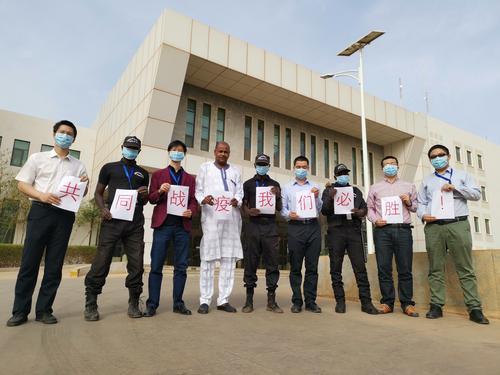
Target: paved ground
column 257, row 343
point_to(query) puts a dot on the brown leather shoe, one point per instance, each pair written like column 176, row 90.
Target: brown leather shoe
column 410, row 311
column 385, row 309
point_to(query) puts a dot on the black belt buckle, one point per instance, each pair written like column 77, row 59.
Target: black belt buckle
column 449, row 221
column 306, row 221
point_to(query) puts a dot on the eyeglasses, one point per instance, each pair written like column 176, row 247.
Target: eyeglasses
column 437, row 155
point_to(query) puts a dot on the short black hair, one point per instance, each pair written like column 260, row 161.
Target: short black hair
column 388, row 157
column 177, row 143
column 300, row 158
column 57, row 125
column 437, row 146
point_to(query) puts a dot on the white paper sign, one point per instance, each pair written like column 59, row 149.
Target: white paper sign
column 305, row 204
column 123, row 205
column 70, row 191
column 222, row 205
column 265, row 200
column 392, row 209
column 344, row 200
column 177, row 200
column 442, row 205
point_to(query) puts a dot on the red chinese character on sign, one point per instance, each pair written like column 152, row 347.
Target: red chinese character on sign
column 178, row 198
column 222, row 204
column 344, row 199
column 71, row 190
column 305, row 202
column 391, row 208
column 124, row 201
column 266, row 199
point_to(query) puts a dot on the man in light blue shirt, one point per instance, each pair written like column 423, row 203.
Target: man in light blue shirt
column 304, row 238
column 453, row 235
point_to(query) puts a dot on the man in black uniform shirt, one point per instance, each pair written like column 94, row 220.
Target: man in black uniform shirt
column 261, row 236
column 344, row 233
column 123, row 174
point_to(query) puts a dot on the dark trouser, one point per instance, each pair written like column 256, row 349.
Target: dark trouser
column 131, row 233
column 161, row 239
column 261, row 239
column 394, row 241
column 342, row 238
column 48, row 230
column 304, row 242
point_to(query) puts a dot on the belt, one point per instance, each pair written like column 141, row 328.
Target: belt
column 50, row 207
column 403, row 225
column 448, row 221
column 262, row 219
column 303, row 221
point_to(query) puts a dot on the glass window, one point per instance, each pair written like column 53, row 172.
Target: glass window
column 260, row 137
column 276, row 146
column 476, row 225
column 75, row 154
column 19, row 153
column 326, row 156
column 335, row 153
column 469, row 157
column 483, row 193
column 190, row 122
column 1, row 140
column 288, row 148
column 46, row 148
column 205, row 127
column 313, row 155
column 303, row 144
column 247, row 153
column 458, row 154
column 354, row 167
column 487, row 226
column 221, row 124
column 480, row 161
column 370, row 162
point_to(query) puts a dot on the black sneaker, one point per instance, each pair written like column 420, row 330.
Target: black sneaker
column 182, row 309
column 17, row 320
column 434, row 312
column 477, row 316
column 313, row 308
column 227, row 308
column 46, row 318
column 368, row 308
column 296, row 309
column 150, row 312
column 91, row 314
column 203, row 309
column 340, row 307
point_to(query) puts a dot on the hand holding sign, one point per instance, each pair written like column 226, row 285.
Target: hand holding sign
column 265, row 200
column 443, row 206
column 177, row 200
column 392, row 210
column 123, row 205
column 222, row 205
column 70, row 192
column 305, row 204
column 344, row 200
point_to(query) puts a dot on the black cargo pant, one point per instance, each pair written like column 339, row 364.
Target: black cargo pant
column 261, row 240
column 131, row 233
column 48, row 230
column 341, row 238
column 304, row 243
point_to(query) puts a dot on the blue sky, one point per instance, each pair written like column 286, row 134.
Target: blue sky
column 59, row 59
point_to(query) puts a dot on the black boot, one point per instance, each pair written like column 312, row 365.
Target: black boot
column 133, row 306
column 367, row 307
column 271, row 303
column 248, row 308
column 435, row 312
column 91, row 314
column 340, row 306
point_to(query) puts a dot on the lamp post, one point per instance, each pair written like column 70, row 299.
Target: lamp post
column 358, row 46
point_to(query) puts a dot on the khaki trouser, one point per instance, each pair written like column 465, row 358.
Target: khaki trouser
column 455, row 238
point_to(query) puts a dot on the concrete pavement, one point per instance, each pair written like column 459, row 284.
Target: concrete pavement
column 222, row 343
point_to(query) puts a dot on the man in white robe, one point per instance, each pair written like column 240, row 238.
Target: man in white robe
column 219, row 190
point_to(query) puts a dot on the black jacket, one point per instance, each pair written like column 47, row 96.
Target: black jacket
column 337, row 220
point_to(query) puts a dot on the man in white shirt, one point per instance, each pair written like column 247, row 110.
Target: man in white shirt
column 49, row 227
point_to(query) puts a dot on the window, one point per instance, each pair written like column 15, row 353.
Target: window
column 469, row 157
column 458, row 154
column 335, row 153
column 46, row 148
column 480, row 161
column 313, row 155
column 370, row 163
column 260, row 136
column 483, row 193
column 205, row 127
column 75, row 154
column 288, row 148
column 354, row 167
column 1, row 140
column 221, row 124
column 326, row 155
column 190, row 121
column 487, row 226
column 19, row 153
column 276, row 146
column 303, row 144
column 247, row 153
column 476, row 225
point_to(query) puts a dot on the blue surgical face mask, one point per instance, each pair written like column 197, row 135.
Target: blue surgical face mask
column 390, row 170
column 439, row 162
column 176, row 155
column 343, row 180
column 129, row 153
column 64, row 140
column 262, row 169
column 300, row 173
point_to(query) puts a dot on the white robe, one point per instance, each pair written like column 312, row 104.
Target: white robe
column 221, row 239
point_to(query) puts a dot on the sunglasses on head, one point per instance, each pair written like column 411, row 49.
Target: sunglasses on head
column 437, row 155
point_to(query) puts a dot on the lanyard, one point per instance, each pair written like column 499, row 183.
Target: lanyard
column 443, row 177
column 129, row 174
column 176, row 179
column 257, row 182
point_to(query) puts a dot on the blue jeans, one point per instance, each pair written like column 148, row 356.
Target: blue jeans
column 161, row 239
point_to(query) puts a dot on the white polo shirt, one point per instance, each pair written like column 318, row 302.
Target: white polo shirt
column 44, row 170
